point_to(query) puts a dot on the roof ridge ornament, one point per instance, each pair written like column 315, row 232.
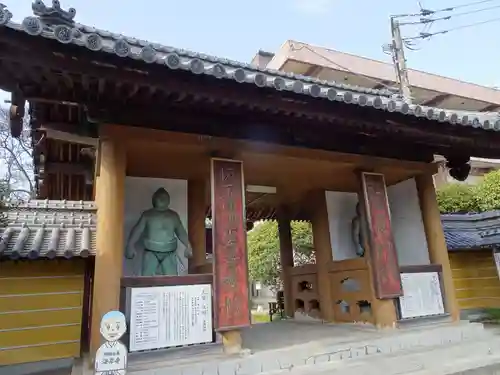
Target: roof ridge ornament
column 54, row 15
column 5, row 15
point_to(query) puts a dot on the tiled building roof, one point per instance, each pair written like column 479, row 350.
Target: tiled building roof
column 57, row 24
column 471, row 231
column 49, row 229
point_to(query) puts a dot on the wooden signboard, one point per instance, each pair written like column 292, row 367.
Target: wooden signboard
column 232, row 308
column 383, row 256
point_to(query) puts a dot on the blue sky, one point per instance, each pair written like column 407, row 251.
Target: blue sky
column 238, row 29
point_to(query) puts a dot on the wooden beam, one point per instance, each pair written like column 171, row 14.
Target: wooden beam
column 235, row 127
column 69, row 137
column 68, row 168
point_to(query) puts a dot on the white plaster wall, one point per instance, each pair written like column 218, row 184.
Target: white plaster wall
column 341, row 209
column 407, row 225
column 406, row 221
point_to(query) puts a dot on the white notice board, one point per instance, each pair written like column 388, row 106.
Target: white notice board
column 166, row 316
column 422, row 295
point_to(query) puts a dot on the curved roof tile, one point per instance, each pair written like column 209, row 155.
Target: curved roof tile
column 49, row 229
column 55, row 23
column 471, row 231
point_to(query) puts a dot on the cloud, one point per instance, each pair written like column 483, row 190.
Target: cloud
column 313, row 6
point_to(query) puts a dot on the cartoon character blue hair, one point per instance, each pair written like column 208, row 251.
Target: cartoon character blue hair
column 113, row 315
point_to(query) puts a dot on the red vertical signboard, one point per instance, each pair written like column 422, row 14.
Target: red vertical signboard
column 232, row 308
column 383, row 256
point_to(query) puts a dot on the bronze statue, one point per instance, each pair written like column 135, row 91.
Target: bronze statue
column 357, row 232
column 159, row 228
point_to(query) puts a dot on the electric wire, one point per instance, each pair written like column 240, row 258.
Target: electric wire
column 427, row 12
column 428, row 35
column 446, row 18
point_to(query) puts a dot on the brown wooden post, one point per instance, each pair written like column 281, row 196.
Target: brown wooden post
column 110, row 200
column 323, row 251
column 286, row 257
column 230, row 263
column 197, row 210
column 438, row 252
column 380, row 250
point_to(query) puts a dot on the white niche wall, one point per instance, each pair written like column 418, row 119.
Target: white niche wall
column 406, row 222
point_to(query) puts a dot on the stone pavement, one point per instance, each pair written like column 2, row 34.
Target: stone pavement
column 305, row 348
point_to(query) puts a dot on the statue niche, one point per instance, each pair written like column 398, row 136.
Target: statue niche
column 357, row 232
column 159, row 228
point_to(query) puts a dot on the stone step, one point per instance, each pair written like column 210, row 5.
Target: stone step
column 366, row 343
column 474, row 357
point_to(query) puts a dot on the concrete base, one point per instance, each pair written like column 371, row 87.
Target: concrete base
column 52, row 367
column 307, row 347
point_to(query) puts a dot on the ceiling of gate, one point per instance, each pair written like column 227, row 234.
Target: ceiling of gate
column 293, row 172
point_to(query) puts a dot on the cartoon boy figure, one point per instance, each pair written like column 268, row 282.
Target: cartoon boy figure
column 111, row 357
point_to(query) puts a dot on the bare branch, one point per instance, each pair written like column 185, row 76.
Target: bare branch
column 16, row 160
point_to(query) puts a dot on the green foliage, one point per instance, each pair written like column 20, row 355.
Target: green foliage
column 264, row 254
column 457, row 198
column 488, row 192
column 260, row 317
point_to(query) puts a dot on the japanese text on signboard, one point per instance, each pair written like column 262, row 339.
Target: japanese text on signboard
column 382, row 249
column 230, row 257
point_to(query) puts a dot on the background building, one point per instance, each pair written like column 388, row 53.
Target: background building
column 330, row 65
column 427, row 89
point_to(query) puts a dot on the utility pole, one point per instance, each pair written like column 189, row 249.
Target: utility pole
column 398, row 58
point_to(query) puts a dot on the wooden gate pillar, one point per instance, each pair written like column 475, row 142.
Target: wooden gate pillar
column 323, row 252
column 436, row 243
column 110, row 201
column 286, row 257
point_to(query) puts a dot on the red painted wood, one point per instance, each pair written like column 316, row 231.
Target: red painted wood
column 383, row 256
column 232, row 308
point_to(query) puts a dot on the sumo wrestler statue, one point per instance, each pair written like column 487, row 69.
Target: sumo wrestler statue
column 159, row 228
column 357, row 232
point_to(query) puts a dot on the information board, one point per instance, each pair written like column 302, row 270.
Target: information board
column 421, row 295
column 167, row 316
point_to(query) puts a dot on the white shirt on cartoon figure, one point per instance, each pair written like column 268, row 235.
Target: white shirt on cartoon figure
column 111, row 359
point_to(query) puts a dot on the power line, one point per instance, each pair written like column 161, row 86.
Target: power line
column 428, row 35
column 446, row 18
column 428, row 12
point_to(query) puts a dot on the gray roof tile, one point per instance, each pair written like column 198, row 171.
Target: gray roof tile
column 49, row 229
column 55, row 23
column 471, row 231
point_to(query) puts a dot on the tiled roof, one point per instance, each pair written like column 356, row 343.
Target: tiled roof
column 49, row 229
column 57, row 24
column 471, row 231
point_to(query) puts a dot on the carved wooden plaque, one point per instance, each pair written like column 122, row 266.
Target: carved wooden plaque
column 383, row 256
column 232, row 308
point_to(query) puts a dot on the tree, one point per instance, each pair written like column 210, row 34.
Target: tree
column 457, row 198
column 264, row 254
column 488, row 192
column 16, row 160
